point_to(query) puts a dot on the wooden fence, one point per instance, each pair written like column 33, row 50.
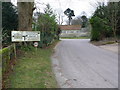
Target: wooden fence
column 8, row 54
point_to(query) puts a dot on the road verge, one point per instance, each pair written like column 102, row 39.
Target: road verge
column 33, row 70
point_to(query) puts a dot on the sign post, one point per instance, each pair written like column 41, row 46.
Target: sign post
column 36, row 45
column 21, row 36
column 15, row 50
column 25, row 36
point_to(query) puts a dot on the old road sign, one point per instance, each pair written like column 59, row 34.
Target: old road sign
column 35, row 44
column 20, row 36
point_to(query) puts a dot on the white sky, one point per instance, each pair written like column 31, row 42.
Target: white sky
column 59, row 6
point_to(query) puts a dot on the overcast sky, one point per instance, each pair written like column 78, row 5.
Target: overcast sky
column 59, row 6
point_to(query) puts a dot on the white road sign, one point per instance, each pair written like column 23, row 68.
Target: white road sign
column 35, row 44
column 19, row 36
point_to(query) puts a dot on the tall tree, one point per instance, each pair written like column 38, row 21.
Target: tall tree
column 48, row 10
column 48, row 27
column 110, row 18
column 68, row 12
column 9, row 21
column 9, row 16
column 25, row 13
column 118, row 24
column 113, row 10
column 84, row 21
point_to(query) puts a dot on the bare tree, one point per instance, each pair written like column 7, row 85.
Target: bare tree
column 60, row 19
column 77, row 21
column 113, row 8
column 59, row 14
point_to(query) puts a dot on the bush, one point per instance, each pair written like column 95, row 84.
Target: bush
column 100, row 29
column 48, row 27
column 95, row 32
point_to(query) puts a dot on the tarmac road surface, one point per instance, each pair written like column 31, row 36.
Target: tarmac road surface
column 79, row 64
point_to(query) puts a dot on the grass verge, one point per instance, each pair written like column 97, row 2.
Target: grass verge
column 74, row 37
column 33, row 70
column 105, row 41
column 99, row 43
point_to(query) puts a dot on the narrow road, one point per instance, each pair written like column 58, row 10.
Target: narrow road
column 79, row 64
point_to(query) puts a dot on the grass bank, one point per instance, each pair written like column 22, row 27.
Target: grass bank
column 104, row 41
column 33, row 70
column 74, row 37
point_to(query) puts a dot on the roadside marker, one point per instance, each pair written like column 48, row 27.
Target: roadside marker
column 36, row 45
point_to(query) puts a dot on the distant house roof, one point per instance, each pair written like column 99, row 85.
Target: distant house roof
column 70, row 27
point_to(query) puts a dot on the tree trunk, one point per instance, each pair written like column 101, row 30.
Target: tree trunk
column 25, row 12
column 113, row 12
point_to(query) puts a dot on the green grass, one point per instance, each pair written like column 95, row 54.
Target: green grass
column 98, row 43
column 110, row 42
column 33, row 70
column 74, row 37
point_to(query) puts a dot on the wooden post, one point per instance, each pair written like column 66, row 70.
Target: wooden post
column 36, row 51
column 15, row 50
